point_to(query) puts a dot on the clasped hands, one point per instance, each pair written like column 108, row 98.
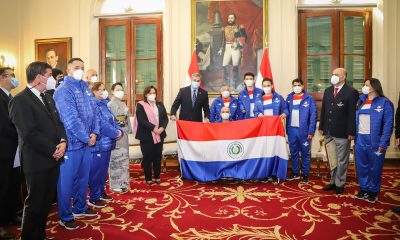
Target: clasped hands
column 157, row 130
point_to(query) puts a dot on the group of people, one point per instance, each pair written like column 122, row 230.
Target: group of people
column 69, row 134
column 345, row 116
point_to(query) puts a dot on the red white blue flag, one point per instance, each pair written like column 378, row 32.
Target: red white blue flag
column 246, row 149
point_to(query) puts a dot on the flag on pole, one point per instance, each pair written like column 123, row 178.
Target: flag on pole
column 247, row 149
column 193, row 68
column 265, row 69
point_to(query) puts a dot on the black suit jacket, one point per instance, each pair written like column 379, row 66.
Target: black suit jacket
column 8, row 134
column 397, row 121
column 145, row 127
column 187, row 112
column 338, row 114
column 39, row 131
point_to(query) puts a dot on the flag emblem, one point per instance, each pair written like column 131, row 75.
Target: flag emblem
column 235, row 150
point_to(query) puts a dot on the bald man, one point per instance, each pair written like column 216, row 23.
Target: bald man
column 338, row 124
column 91, row 76
column 225, row 114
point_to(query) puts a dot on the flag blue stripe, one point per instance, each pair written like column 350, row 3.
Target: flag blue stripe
column 245, row 169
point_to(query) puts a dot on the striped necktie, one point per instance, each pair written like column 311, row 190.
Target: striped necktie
column 194, row 97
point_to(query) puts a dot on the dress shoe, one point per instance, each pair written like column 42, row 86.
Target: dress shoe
column 329, row 187
column 338, row 190
column 396, row 209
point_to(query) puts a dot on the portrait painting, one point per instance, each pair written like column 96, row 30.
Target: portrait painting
column 229, row 37
column 54, row 51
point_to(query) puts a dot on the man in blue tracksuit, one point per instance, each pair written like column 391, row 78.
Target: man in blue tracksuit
column 249, row 97
column 300, row 127
column 272, row 104
column 109, row 133
column 74, row 103
column 225, row 100
column 374, row 126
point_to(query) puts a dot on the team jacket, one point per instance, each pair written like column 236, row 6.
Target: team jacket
column 381, row 119
column 108, row 127
column 218, row 104
column 75, row 103
column 307, row 114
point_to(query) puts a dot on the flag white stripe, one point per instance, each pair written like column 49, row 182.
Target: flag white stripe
column 257, row 147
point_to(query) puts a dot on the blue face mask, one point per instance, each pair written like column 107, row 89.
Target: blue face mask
column 195, row 85
column 14, row 82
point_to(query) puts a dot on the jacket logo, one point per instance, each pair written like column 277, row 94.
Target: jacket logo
column 340, row 104
column 306, row 144
column 379, row 109
column 306, row 104
column 277, row 100
column 234, row 105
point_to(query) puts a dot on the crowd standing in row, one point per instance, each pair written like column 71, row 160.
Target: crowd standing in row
column 70, row 143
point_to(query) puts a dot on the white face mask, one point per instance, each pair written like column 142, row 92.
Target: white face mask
column 78, row 74
column 267, row 90
column 249, row 83
column 365, row 90
column 225, row 116
column 225, row 94
column 51, row 83
column 119, row 94
column 151, row 97
column 104, row 94
column 93, row 79
column 195, row 85
column 334, row 79
column 297, row 89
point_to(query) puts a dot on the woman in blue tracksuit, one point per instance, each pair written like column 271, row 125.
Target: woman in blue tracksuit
column 109, row 132
column 374, row 121
column 300, row 127
column 225, row 100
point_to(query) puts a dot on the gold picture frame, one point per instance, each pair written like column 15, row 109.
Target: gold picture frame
column 209, row 21
column 55, row 51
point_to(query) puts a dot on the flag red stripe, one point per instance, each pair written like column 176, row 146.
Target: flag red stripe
column 249, row 128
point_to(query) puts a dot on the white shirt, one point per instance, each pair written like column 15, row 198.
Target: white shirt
column 155, row 110
column 340, row 87
column 251, row 106
column 5, row 91
column 268, row 112
column 36, row 92
column 365, row 121
column 295, row 115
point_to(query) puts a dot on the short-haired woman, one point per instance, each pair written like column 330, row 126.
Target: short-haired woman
column 151, row 121
column 119, row 163
column 110, row 132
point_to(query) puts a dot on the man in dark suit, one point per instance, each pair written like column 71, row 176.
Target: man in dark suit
column 192, row 100
column 397, row 134
column 337, row 123
column 10, row 184
column 42, row 140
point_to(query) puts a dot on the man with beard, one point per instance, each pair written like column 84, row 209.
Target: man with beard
column 233, row 39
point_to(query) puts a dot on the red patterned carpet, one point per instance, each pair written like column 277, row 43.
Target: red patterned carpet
column 251, row 210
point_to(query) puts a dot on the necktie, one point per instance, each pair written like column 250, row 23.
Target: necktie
column 10, row 96
column 46, row 104
column 336, row 90
column 194, row 98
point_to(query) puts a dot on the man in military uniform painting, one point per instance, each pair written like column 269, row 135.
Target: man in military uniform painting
column 233, row 39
